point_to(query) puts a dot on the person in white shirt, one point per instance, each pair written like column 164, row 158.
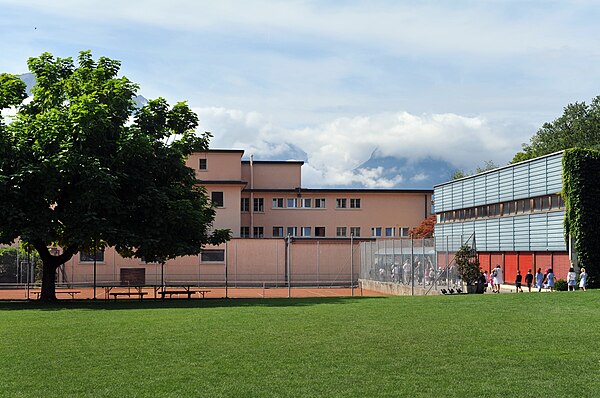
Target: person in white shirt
column 582, row 279
column 571, row 279
column 498, row 278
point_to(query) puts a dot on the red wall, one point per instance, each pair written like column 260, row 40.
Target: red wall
column 524, row 261
column 511, row 264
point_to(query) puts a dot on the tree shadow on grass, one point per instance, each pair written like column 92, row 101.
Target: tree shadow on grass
column 175, row 303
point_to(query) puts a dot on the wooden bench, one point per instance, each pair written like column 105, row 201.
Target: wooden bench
column 128, row 294
column 71, row 293
column 188, row 292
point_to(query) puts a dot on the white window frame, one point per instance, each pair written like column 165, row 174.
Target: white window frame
column 278, row 203
column 340, row 232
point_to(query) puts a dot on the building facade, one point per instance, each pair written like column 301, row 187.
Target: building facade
column 515, row 215
column 265, row 199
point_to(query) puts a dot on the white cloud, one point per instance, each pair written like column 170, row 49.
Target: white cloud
column 335, row 149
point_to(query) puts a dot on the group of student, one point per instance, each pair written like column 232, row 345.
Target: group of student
column 542, row 280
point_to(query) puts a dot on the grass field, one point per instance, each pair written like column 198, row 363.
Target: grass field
column 523, row 345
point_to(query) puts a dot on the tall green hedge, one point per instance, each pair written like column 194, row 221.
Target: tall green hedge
column 581, row 193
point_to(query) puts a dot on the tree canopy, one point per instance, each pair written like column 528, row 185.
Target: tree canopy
column 82, row 169
column 486, row 166
column 577, row 127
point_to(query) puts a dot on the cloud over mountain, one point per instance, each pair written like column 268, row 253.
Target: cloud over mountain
column 381, row 150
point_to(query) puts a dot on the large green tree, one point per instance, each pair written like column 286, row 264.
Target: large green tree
column 577, row 127
column 80, row 168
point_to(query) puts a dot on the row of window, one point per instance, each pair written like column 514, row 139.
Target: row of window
column 206, row 256
column 295, row 203
column 390, row 232
column 508, row 208
column 340, row 232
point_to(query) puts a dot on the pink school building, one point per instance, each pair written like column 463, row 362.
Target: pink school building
column 261, row 202
column 265, row 199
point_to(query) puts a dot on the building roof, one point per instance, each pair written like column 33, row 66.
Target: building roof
column 498, row 169
column 274, row 162
column 336, row 190
column 222, row 151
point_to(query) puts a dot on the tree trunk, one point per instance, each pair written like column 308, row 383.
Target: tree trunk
column 49, row 267
column 48, row 282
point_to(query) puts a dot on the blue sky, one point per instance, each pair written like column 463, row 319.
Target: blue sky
column 459, row 81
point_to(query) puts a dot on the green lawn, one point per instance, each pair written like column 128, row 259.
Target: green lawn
column 518, row 345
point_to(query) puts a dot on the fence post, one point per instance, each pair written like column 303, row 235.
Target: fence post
column 412, row 267
column 226, row 266
column 352, row 263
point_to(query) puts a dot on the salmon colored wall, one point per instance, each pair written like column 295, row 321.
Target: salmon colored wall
column 280, row 175
column 227, row 216
column 395, row 210
column 249, row 261
column 221, row 165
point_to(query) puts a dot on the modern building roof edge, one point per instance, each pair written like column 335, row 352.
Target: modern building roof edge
column 497, row 169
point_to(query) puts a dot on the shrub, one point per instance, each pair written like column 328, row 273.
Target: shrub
column 467, row 264
column 561, row 285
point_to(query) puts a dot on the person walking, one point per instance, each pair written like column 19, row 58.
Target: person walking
column 518, row 280
column 529, row 280
column 582, row 279
column 571, row 279
column 498, row 278
column 539, row 279
column 550, row 280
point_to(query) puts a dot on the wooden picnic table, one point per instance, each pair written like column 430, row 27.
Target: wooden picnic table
column 70, row 292
column 189, row 293
column 129, row 294
column 181, row 290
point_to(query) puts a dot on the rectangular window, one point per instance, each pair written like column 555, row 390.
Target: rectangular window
column 376, row 231
column 545, row 202
column 482, row 211
column 404, row 232
column 212, row 256
column 340, row 203
column 320, row 232
column 306, row 203
column 259, row 232
column 278, row 203
column 355, row 203
column 202, row 165
column 292, row 231
column 320, row 203
column 217, row 198
column 305, row 231
column 527, row 205
column 259, row 205
column 277, row 232
column 89, row 257
column 556, row 202
column 292, row 203
column 354, row 231
column 245, row 204
column 244, row 232
column 340, row 231
column 389, row 231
